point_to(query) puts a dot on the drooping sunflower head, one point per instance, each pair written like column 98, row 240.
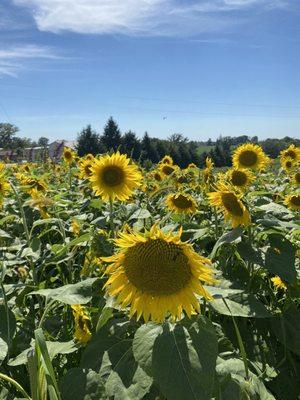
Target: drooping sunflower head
column 167, row 169
column 68, row 155
column 181, row 203
column 240, row 178
column 292, row 152
column 227, row 201
column 157, row 275
column 86, row 169
column 114, row 177
column 293, row 201
column 167, row 160
column 288, row 163
column 82, row 320
column 250, row 156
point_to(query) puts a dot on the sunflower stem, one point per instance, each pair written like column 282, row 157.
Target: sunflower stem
column 111, row 217
column 216, row 223
column 15, row 384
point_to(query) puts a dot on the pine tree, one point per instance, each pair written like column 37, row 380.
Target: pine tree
column 88, row 142
column 111, row 138
column 149, row 151
column 131, row 145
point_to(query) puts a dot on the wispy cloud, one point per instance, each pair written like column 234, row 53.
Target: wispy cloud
column 13, row 59
column 139, row 17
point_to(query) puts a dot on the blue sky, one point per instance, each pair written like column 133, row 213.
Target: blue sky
column 201, row 68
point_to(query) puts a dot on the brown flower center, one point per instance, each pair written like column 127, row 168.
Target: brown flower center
column 248, row 158
column 112, row 175
column 232, row 204
column 238, row 178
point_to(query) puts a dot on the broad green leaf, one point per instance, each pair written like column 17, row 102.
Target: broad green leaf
column 7, row 328
column 82, row 384
column 280, row 258
column 105, row 316
column 141, row 213
column 228, row 237
column 241, row 305
column 183, row 361
column 248, row 253
column 77, row 293
column 3, row 350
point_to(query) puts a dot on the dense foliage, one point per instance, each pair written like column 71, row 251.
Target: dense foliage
column 82, row 318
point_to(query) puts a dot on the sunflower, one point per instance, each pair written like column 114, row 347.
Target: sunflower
column 296, row 178
column 157, row 176
column 229, row 202
column 288, row 163
column 4, row 186
column 181, row 203
column 157, row 274
column 89, row 157
column 82, row 332
column 68, row 155
column 292, row 152
column 85, row 169
column 278, row 283
column 240, row 178
column 167, row 169
column 293, row 201
column 167, row 160
column 251, row 156
column 113, row 177
column 192, row 166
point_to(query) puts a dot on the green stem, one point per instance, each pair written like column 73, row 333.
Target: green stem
column 111, row 217
column 16, row 385
column 47, row 308
column 7, row 317
column 25, row 226
column 216, row 223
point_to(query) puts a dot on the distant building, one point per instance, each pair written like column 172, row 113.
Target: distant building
column 56, row 148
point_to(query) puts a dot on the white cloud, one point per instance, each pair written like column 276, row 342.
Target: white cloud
column 13, row 58
column 138, row 17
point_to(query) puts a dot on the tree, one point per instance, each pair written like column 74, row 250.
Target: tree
column 131, row 145
column 88, row 142
column 178, row 138
column 43, row 142
column 149, row 151
column 111, row 138
column 7, row 133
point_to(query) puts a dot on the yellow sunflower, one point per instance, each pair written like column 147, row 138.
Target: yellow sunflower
column 69, row 155
column 157, row 176
column 86, row 169
column 250, row 156
column 167, row 169
column 157, row 275
column 89, row 157
column 293, row 201
column 4, row 186
column 240, row 178
column 230, row 204
column 167, row 160
column 296, row 178
column 192, row 166
column 181, row 203
column 113, row 177
column 82, row 320
column 288, row 163
column 278, row 283
column 292, row 152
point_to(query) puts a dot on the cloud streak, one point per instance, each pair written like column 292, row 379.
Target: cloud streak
column 140, row 17
column 13, row 58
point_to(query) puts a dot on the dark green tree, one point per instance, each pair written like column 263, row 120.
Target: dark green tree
column 7, row 135
column 88, row 141
column 131, row 145
column 43, row 141
column 111, row 138
column 149, row 151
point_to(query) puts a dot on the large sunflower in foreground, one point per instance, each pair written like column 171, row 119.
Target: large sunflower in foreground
column 157, row 275
column 240, row 178
column 181, row 203
column 250, row 156
column 293, row 201
column 113, row 177
column 231, row 205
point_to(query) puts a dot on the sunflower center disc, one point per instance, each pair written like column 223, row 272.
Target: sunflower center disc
column 87, row 169
column 295, row 200
column 230, row 202
column 112, row 176
column 290, row 153
column 68, row 155
column 182, row 202
column 248, row 158
column 297, row 177
column 157, row 267
column 238, row 178
column 167, row 169
column 288, row 164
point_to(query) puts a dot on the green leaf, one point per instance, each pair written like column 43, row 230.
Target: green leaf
column 228, row 237
column 62, row 249
column 141, row 213
column 105, row 316
column 241, row 305
column 183, row 361
column 77, row 293
column 4, row 325
column 3, row 350
column 280, row 258
column 82, row 384
column 287, row 329
column 248, row 253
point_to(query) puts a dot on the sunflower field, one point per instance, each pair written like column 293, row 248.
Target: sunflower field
column 120, row 283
